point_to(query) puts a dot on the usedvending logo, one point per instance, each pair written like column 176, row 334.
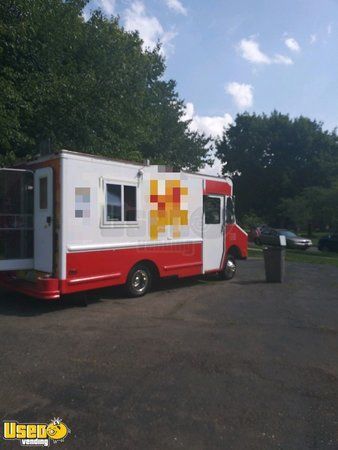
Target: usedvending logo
column 36, row 434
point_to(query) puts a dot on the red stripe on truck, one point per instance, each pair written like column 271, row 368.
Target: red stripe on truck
column 94, row 269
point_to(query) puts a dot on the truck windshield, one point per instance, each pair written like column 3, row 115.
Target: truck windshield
column 16, row 214
column 230, row 211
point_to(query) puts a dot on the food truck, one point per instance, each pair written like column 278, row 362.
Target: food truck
column 72, row 222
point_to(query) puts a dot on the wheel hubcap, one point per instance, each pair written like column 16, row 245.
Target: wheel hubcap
column 140, row 280
column 230, row 267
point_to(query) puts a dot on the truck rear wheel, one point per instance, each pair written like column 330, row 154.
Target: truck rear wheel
column 138, row 281
column 229, row 269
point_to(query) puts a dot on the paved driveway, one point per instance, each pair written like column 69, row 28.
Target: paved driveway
column 194, row 365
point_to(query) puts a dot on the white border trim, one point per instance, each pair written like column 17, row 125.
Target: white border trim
column 62, row 220
column 93, row 247
column 240, row 228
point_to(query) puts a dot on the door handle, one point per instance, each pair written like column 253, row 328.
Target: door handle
column 49, row 220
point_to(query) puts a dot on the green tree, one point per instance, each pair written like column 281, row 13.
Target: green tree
column 276, row 158
column 315, row 207
column 86, row 86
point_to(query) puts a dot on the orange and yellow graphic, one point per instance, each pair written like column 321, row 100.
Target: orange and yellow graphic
column 167, row 207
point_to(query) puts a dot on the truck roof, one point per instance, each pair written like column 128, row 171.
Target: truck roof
column 63, row 152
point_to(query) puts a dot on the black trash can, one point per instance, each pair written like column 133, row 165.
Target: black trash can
column 274, row 261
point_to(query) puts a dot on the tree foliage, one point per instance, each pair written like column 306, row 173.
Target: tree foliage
column 86, row 86
column 315, row 207
column 277, row 158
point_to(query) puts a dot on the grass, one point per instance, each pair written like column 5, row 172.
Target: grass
column 301, row 256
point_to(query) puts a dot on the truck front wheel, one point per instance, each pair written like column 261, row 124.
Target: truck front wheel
column 229, row 269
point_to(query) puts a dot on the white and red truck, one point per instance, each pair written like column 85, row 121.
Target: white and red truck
column 71, row 222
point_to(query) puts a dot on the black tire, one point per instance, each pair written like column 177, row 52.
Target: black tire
column 324, row 248
column 139, row 281
column 229, row 270
column 258, row 241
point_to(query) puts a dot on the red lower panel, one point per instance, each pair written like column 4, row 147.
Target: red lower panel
column 235, row 236
column 96, row 269
column 44, row 288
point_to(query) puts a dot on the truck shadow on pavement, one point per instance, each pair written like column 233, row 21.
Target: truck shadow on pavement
column 17, row 304
column 250, row 282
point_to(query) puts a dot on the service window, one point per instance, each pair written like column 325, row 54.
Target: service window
column 16, row 214
column 212, row 210
column 120, row 203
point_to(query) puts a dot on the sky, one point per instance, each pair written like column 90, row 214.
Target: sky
column 231, row 56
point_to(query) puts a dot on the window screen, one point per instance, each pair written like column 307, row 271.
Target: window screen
column 120, row 203
column 130, row 203
column 114, row 203
column 212, row 210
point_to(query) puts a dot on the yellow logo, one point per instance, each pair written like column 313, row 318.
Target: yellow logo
column 36, row 434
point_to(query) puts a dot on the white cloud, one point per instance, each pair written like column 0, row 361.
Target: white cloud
column 86, row 14
column 249, row 50
column 108, row 6
column 242, row 94
column 313, row 38
column 281, row 59
column 215, row 169
column 176, row 6
column 149, row 27
column 292, row 44
column 210, row 125
column 329, row 28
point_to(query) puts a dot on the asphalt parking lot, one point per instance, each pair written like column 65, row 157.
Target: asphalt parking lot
column 196, row 364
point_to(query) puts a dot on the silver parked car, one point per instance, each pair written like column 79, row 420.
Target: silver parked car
column 270, row 236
